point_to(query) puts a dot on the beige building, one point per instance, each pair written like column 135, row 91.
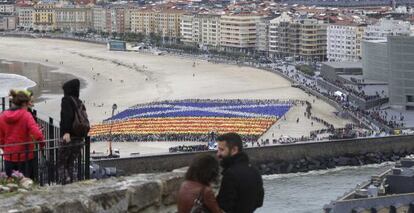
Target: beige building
column 25, row 17
column 44, row 17
column 160, row 21
column 73, row 18
column 238, row 32
column 301, row 38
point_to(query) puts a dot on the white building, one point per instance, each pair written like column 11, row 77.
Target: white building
column 263, row 35
column 344, row 42
column 210, row 30
column 190, row 29
column 279, row 35
column 99, row 19
column 7, row 8
column 201, row 29
column 25, row 17
column 386, row 27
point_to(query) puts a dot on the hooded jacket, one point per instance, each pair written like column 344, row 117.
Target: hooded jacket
column 18, row 126
column 241, row 189
column 67, row 113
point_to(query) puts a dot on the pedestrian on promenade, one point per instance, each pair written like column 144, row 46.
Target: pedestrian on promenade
column 195, row 193
column 241, row 188
column 17, row 126
column 72, row 112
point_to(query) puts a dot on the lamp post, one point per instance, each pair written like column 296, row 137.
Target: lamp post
column 114, row 107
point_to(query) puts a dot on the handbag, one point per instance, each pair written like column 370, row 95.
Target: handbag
column 198, row 206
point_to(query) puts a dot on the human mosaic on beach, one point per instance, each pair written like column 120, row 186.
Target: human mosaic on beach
column 191, row 120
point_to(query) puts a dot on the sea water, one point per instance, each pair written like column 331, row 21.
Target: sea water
column 309, row 192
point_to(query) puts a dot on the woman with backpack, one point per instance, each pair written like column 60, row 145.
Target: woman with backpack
column 195, row 194
column 18, row 130
column 74, row 127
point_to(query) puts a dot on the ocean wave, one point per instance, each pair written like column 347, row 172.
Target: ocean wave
column 325, row 171
column 13, row 81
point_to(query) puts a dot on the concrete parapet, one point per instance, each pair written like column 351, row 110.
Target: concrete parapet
column 136, row 193
column 273, row 153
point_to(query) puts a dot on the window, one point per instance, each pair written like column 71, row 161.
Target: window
column 410, row 98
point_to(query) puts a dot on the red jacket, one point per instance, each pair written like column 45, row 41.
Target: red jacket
column 18, row 126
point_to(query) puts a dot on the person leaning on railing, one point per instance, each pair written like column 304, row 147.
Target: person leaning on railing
column 18, row 131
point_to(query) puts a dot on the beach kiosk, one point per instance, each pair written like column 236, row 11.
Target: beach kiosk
column 116, row 45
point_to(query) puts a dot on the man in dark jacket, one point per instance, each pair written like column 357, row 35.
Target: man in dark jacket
column 241, row 189
column 70, row 149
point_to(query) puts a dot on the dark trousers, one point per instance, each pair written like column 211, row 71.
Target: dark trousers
column 24, row 167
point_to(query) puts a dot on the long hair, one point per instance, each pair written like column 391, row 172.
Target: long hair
column 203, row 169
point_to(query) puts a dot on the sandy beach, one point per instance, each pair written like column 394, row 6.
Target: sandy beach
column 145, row 77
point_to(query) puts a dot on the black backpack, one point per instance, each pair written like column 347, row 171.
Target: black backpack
column 80, row 125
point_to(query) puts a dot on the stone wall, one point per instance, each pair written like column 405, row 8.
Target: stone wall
column 137, row 193
column 375, row 149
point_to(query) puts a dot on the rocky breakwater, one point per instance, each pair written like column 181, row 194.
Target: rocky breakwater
column 136, row 193
column 306, row 164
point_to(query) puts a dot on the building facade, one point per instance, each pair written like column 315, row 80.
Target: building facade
column 115, row 19
column 375, row 60
column 25, row 17
column 263, row 35
column 99, row 19
column 201, row 29
column 283, row 39
column 190, row 27
column 238, row 32
column 344, row 42
column 73, row 18
column 44, row 17
column 386, row 27
column 300, row 38
column 7, row 8
column 8, row 22
column 401, row 73
column 164, row 22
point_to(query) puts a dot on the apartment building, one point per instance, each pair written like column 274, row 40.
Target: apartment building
column 210, row 30
column 164, row 22
column 344, row 42
column 116, row 19
column 386, row 27
column 7, row 8
column 44, row 17
column 301, row 38
column 282, row 37
column 263, row 35
column 71, row 18
column 238, row 32
column 25, row 16
column 8, row 22
column 190, row 27
column 99, row 19
column 201, row 29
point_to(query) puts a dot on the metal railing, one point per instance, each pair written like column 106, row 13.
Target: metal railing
column 50, row 161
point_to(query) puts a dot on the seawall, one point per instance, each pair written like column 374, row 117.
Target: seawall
column 288, row 158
